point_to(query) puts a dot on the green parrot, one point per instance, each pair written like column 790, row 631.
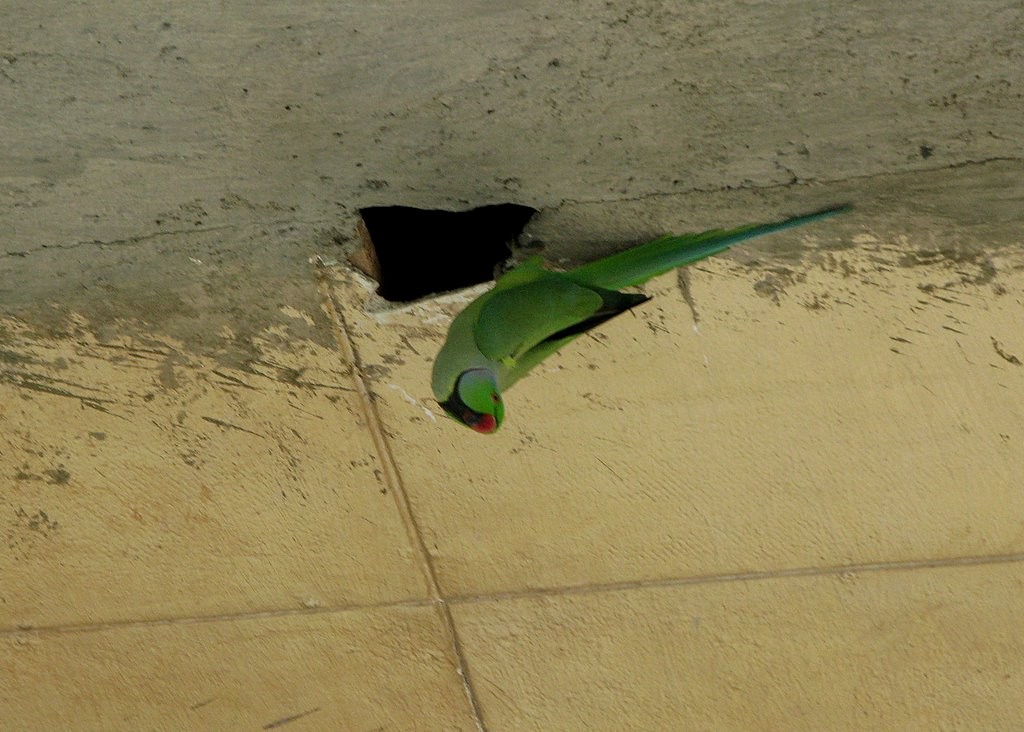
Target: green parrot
column 531, row 312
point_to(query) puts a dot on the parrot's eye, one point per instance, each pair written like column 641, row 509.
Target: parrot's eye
column 495, row 398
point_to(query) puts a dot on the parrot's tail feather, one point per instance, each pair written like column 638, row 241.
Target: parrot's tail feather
column 637, row 265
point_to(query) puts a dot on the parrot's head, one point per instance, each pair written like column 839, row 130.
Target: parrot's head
column 475, row 401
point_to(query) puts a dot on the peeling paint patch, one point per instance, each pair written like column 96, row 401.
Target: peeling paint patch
column 1008, row 357
column 287, row 720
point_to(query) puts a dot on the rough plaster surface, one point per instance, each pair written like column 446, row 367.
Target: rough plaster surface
column 132, row 459
column 862, row 404
column 225, row 495
column 848, row 652
column 359, row 670
column 287, row 110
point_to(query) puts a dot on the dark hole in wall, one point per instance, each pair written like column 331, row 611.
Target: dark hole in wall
column 412, row 252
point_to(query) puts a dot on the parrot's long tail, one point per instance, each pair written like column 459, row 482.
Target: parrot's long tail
column 641, row 263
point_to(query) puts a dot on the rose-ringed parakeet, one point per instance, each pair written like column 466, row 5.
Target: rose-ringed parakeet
column 532, row 312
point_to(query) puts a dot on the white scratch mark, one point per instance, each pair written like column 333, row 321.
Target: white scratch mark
column 412, row 400
column 439, row 318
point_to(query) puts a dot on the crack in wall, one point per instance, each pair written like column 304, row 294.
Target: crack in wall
column 796, row 183
column 140, row 238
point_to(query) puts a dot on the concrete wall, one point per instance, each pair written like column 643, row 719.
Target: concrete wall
column 785, row 495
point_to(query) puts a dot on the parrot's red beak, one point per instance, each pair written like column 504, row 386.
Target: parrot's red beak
column 486, row 424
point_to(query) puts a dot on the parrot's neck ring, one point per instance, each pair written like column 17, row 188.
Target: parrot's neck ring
column 456, row 406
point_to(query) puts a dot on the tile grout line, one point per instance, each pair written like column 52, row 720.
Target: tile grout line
column 393, row 479
column 832, row 570
column 555, row 591
column 212, row 618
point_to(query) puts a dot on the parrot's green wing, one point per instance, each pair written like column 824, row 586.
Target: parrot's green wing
column 527, row 312
column 519, row 317
column 460, row 350
column 538, row 353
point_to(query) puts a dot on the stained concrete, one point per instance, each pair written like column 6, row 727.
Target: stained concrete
column 782, row 494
